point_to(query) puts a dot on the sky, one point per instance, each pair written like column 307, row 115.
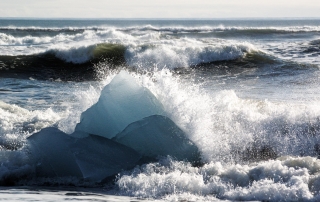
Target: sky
column 159, row 8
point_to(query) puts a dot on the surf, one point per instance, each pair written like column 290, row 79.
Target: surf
column 231, row 107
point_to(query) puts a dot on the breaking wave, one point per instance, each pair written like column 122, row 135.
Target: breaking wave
column 76, row 62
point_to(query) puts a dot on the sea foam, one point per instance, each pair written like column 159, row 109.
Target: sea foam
column 274, row 180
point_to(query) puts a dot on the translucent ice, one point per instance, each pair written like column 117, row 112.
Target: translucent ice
column 158, row 135
column 121, row 103
column 57, row 154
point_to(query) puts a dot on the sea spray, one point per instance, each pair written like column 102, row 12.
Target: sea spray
column 224, row 126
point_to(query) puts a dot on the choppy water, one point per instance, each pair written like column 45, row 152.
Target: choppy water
column 245, row 92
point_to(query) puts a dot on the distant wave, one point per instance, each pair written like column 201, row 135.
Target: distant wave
column 10, row 40
column 169, row 53
column 185, row 53
column 48, row 29
column 82, row 62
column 70, row 64
column 226, row 29
column 175, row 29
column 52, row 38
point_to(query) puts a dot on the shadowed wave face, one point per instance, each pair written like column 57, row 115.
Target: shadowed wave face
column 62, row 65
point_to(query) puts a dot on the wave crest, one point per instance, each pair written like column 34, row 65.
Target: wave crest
column 184, row 54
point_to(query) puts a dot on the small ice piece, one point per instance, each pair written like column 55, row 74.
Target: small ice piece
column 158, row 136
column 57, row 154
column 121, row 103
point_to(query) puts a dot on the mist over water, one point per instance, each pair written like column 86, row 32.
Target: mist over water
column 245, row 92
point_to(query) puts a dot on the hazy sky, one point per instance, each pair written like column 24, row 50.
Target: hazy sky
column 159, row 8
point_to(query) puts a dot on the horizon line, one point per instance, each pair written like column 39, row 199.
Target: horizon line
column 148, row 18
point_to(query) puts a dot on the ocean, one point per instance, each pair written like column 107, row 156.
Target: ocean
column 160, row 110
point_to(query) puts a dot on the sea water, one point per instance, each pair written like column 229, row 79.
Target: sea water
column 244, row 92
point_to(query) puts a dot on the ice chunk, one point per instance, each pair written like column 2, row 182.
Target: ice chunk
column 49, row 149
column 57, row 154
column 121, row 103
column 158, row 135
column 133, row 116
column 99, row 157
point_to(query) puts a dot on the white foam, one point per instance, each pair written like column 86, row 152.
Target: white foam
column 184, row 53
column 271, row 180
column 17, row 122
column 10, row 40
